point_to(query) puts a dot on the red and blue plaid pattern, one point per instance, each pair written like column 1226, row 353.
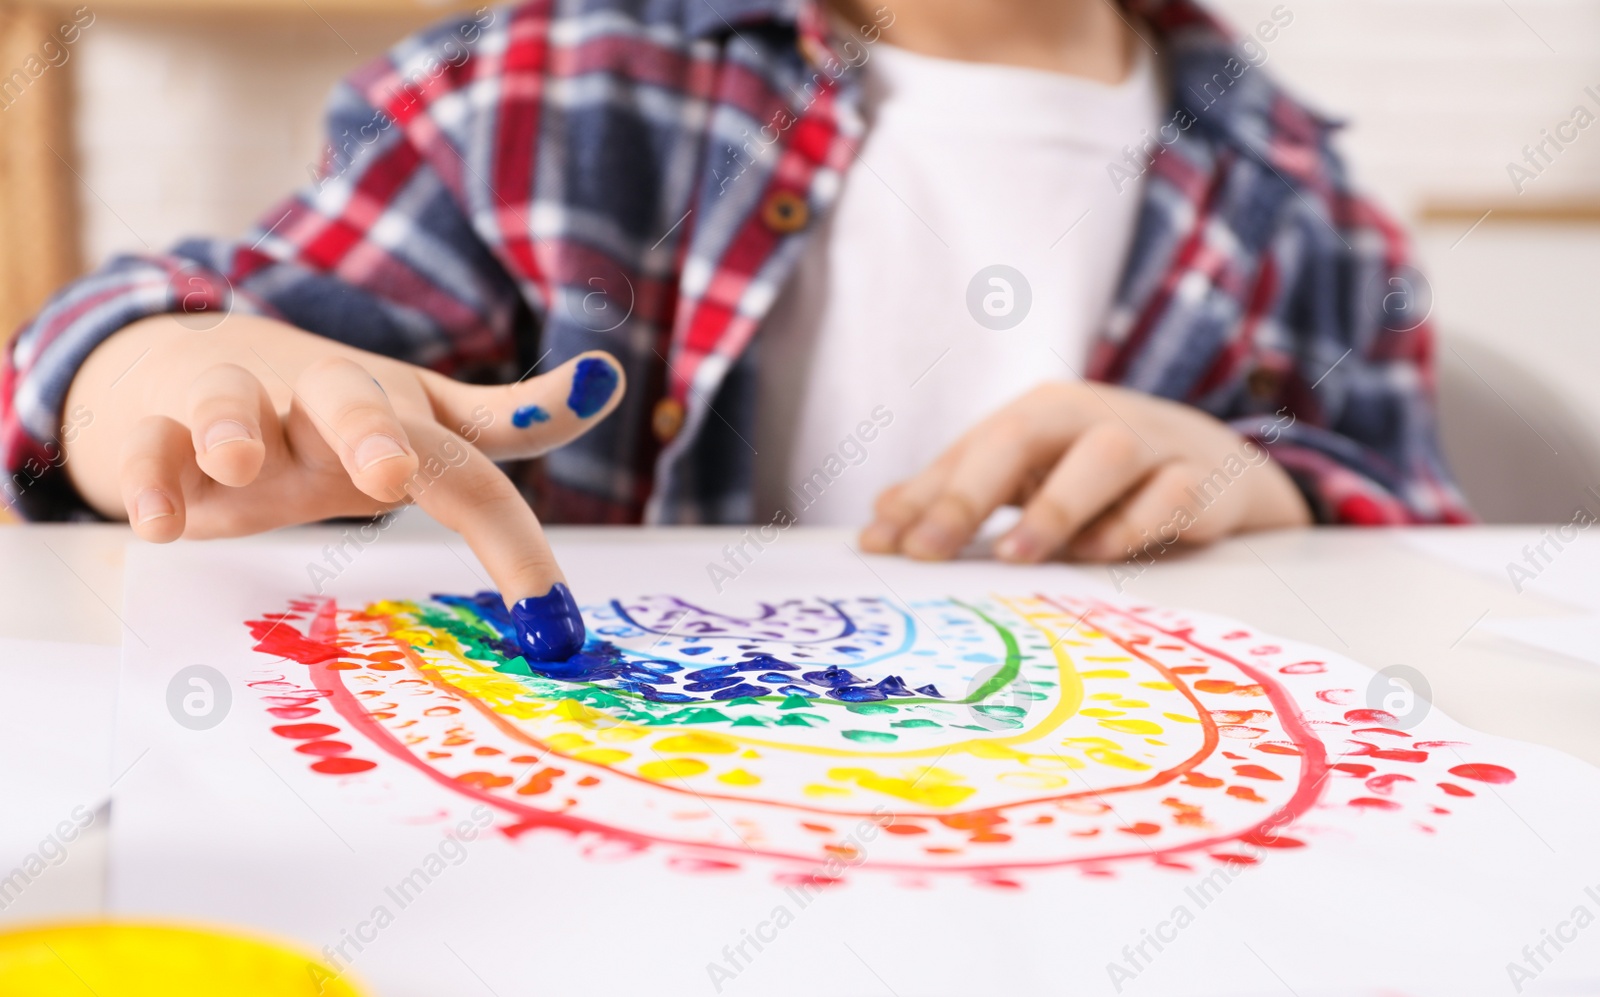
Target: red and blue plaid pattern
column 524, row 183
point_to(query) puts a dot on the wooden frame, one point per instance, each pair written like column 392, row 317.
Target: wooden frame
column 40, row 241
column 1541, row 212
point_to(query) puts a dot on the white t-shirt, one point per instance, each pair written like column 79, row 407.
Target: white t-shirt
column 965, row 166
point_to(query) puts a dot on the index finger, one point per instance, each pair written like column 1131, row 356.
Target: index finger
column 461, row 488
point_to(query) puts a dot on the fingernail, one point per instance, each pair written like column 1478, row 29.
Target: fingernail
column 151, row 505
column 377, row 448
column 1021, row 544
column 549, row 625
column 225, row 431
column 931, row 540
column 593, row 383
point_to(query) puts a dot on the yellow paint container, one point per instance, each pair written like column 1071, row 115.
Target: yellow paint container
column 112, row 959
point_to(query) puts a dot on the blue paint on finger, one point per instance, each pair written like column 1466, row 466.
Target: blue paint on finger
column 527, row 415
column 593, row 383
column 549, row 626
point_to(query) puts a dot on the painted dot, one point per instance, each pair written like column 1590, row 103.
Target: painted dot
column 527, row 415
column 997, row 710
column 696, row 743
column 484, row 780
column 673, row 768
column 1033, row 780
column 343, row 766
column 1484, row 772
column 868, row 709
column 1115, row 759
column 593, row 383
column 870, row 736
column 1131, row 726
column 304, row 732
column 1257, row 772
column 602, row 756
column 1053, row 762
column 816, row 790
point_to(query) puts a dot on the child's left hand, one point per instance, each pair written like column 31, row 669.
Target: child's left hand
column 1098, row 470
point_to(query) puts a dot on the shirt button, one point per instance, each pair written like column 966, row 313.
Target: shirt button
column 1264, row 383
column 785, row 211
column 667, row 419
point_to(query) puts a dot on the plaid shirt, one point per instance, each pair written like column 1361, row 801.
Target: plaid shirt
column 524, row 183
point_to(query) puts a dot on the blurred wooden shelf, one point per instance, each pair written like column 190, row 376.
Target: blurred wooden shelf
column 1575, row 211
column 40, row 245
column 39, row 240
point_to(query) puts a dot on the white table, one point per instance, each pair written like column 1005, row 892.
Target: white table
column 1363, row 593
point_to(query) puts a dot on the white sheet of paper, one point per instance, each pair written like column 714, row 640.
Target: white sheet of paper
column 1090, row 821
column 1525, row 560
column 56, row 721
column 1576, row 637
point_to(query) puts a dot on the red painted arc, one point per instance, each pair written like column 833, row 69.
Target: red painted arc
column 323, row 635
column 1313, row 753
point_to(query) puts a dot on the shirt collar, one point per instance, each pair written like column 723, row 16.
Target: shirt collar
column 708, row 17
column 1251, row 113
column 1229, row 96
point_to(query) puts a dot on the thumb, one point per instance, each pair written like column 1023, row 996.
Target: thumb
column 528, row 418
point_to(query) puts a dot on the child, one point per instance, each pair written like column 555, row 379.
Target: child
column 1061, row 254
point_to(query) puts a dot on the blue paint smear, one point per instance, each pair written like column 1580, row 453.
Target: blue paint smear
column 713, row 672
column 741, row 690
column 655, row 695
column 593, row 383
column 550, row 627
column 767, row 662
column 601, row 661
column 605, row 661
column 709, row 685
column 833, row 677
column 526, row 416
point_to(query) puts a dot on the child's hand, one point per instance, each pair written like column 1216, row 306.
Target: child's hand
column 1098, row 470
column 257, row 425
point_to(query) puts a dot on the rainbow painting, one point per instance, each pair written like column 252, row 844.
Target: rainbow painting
column 986, row 736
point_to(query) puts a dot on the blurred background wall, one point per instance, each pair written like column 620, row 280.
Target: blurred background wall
column 196, row 122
